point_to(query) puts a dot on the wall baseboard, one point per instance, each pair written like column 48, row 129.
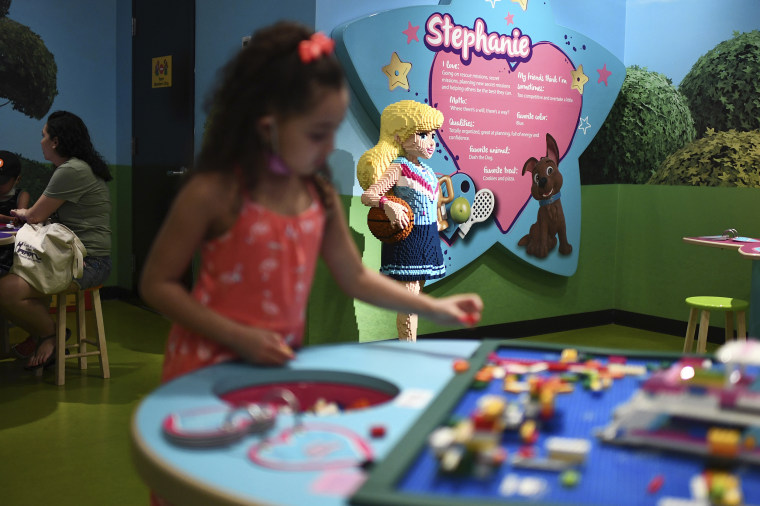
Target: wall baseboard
column 525, row 328
column 124, row 295
column 116, row 292
column 576, row 321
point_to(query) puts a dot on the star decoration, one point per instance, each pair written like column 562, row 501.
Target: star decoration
column 493, row 3
column 411, row 33
column 603, row 74
column 579, row 79
column 397, row 71
column 523, row 4
column 509, row 18
column 585, row 125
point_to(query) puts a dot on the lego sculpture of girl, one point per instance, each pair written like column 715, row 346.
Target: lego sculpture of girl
column 395, row 167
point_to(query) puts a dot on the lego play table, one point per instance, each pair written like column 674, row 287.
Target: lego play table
column 378, row 453
column 400, row 380
column 7, row 235
column 620, row 474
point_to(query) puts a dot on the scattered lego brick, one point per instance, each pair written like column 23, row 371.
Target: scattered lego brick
column 656, row 484
column 461, row 365
column 570, row 478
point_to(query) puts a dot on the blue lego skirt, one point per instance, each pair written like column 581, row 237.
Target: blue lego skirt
column 417, row 257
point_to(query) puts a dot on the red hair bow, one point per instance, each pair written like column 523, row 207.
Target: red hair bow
column 317, row 45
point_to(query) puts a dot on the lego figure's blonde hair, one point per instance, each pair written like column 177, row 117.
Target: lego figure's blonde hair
column 399, row 120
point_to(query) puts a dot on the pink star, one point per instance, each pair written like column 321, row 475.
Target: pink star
column 509, row 19
column 411, row 33
column 603, row 74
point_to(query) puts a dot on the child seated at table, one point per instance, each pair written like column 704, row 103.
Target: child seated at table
column 11, row 197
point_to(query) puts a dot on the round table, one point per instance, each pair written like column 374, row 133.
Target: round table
column 7, row 235
column 285, row 466
column 748, row 247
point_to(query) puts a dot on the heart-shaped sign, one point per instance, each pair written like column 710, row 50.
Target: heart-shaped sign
column 504, row 77
column 497, row 117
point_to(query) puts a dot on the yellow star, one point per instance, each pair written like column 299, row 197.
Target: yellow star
column 397, row 71
column 523, row 4
column 579, row 79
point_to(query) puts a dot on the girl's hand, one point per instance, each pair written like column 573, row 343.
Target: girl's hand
column 464, row 309
column 264, row 347
column 396, row 213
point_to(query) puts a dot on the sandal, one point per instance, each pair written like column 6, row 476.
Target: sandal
column 48, row 361
column 51, row 359
column 26, row 348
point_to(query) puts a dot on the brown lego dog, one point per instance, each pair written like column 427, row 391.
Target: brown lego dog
column 550, row 221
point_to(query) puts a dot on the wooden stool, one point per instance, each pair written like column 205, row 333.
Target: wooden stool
column 81, row 343
column 707, row 304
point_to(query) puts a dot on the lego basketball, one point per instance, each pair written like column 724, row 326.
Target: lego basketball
column 381, row 227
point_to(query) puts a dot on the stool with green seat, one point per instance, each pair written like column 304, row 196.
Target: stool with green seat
column 705, row 304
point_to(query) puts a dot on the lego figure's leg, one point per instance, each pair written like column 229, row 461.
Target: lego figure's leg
column 406, row 323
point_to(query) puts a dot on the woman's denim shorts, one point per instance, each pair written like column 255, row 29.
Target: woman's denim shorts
column 96, row 271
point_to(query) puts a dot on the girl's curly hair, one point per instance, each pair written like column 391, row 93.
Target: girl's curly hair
column 266, row 77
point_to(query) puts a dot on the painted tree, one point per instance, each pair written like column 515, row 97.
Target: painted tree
column 27, row 69
column 723, row 93
column 728, row 158
column 649, row 120
column 722, row 88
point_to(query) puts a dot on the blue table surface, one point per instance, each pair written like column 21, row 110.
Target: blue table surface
column 420, row 370
column 612, row 474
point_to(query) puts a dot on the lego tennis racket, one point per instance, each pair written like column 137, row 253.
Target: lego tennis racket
column 482, row 207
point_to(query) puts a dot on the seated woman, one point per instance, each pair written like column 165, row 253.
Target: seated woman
column 76, row 196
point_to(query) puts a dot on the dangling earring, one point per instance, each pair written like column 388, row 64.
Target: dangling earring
column 277, row 165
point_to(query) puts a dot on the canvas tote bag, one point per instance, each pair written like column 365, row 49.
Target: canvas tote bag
column 48, row 256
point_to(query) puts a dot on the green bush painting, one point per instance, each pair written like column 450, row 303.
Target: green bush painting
column 649, row 120
column 723, row 89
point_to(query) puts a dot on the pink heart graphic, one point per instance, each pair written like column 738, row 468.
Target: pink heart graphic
column 311, row 447
column 497, row 117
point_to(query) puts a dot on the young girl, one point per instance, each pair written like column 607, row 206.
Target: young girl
column 395, row 165
column 259, row 205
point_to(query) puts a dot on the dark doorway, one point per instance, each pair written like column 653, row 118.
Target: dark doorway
column 163, row 45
